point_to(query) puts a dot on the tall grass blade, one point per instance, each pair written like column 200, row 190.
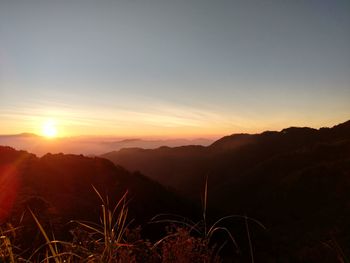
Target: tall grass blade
column 205, row 199
column 47, row 239
column 249, row 240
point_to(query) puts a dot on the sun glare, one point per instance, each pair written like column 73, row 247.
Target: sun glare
column 49, row 129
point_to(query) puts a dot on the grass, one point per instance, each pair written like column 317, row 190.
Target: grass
column 6, row 250
column 205, row 231
column 113, row 240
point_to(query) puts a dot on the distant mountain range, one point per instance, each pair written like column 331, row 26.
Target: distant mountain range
column 296, row 181
column 88, row 145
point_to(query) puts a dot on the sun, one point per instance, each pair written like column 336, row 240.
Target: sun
column 49, row 129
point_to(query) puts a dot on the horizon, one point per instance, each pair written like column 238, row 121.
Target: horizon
column 97, row 145
column 162, row 137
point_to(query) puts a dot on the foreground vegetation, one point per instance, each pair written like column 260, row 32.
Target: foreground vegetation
column 113, row 240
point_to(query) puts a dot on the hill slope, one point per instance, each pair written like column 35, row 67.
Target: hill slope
column 64, row 184
column 184, row 168
column 295, row 181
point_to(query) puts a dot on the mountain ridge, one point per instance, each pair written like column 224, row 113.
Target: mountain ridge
column 295, row 181
column 240, row 147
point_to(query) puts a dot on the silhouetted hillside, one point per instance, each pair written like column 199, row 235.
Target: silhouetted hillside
column 296, row 181
column 64, row 184
column 225, row 158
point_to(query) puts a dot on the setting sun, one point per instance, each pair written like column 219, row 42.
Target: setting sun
column 49, row 129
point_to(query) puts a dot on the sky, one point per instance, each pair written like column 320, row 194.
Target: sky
column 191, row 68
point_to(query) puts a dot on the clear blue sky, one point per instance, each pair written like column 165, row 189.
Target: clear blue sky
column 173, row 68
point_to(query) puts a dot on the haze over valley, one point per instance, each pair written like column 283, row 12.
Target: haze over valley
column 89, row 145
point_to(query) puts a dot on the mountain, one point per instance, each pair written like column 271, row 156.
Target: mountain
column 63, row 183
column 20, row 135
column 295, row 181
column 228, row 158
